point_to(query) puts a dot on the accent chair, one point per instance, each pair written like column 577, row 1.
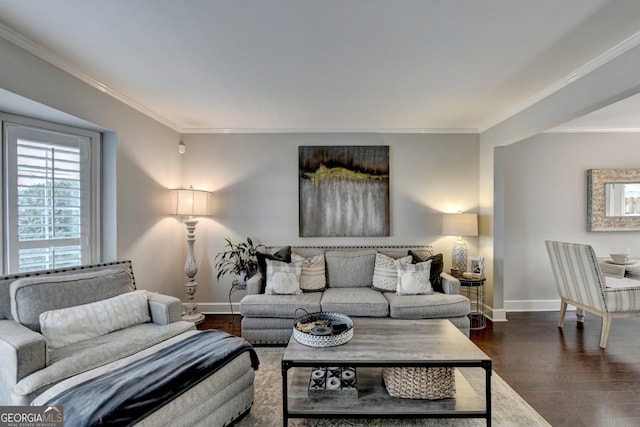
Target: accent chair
column 581, row 283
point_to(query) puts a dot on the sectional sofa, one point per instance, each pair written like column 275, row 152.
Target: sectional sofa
column 359, row 281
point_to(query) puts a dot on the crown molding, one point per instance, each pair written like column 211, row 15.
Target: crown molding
column 609, row 55
column 46, row 55
column 334, row 130
column 592, row 130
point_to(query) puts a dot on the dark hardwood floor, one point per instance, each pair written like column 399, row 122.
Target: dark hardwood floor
column 562, row 373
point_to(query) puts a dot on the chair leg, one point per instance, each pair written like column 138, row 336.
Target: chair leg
column 563, row 311
column 604, row 333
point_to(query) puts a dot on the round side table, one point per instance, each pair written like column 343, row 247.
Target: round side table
column 475, row 291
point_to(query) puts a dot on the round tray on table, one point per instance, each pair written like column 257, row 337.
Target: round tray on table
column 327, row 338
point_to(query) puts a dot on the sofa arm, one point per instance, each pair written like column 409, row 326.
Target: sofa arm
column 164, row 309
column 22, row 352
column 450, row 285
column 254, row 284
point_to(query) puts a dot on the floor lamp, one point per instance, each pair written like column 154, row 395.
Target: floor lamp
column 190, row 203
column 459, row 224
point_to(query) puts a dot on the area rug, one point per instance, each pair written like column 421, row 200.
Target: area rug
column 509, row 409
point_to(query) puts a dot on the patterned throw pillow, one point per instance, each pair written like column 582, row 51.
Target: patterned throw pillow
column 413, row 279
column 312, row 277
column 385, row 272
column 283, row 254
column 437, row 265
column 283, row 278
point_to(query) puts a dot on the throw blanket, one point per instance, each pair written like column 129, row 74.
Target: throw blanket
column 126, row 395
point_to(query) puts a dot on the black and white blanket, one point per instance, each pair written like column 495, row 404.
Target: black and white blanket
column 127, row 394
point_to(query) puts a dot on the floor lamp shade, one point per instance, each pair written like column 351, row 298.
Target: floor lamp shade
column 189, row 202
column 460, row 225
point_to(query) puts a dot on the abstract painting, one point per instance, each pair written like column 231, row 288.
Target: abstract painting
column 343, row 191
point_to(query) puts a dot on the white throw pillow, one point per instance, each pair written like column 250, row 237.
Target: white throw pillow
column 312, row 276
column 385, row 272
column 283, row 278
column 413, row 279
column 70, row 325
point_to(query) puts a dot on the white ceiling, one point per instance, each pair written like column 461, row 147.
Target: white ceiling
column 327, row 65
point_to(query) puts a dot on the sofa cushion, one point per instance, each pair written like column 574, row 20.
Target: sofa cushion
column 413, row 279
column 312, row 276
column 355, row 302
column 434, row 306
column 283, row 278
column 34, row 295
column 385, row 272
column 437, row 266
column 70, row 325
column 350, row 269
column 262, row 305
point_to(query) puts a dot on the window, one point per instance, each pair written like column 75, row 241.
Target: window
column 51, row 212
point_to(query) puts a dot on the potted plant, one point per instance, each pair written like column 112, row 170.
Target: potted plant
column 239, row 259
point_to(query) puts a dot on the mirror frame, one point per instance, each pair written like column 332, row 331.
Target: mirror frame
column 596, row 218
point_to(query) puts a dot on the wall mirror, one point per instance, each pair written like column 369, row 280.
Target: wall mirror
column 613, row 199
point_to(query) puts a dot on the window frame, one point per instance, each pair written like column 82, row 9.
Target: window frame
column 94, row 161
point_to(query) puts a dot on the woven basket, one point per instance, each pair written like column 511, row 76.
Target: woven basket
column 323, row 340
column 420, row 383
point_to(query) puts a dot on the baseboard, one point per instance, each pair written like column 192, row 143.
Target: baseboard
column 496, row 315
column 217, row 308
column 534, row 305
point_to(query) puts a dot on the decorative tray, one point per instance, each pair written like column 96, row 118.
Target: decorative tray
column 322, row 329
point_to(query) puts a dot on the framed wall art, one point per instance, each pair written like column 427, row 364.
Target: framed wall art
column 343, row 191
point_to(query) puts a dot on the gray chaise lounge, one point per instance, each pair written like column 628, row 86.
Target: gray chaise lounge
column 39, row 362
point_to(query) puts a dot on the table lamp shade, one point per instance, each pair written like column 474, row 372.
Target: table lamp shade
column 460, row 224
column 189, row 202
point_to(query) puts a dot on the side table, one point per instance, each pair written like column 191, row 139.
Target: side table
column 475, row 291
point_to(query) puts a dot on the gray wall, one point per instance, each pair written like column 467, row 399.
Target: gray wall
column 545, row 197
column 254, row 178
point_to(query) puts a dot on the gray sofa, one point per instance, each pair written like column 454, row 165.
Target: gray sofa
column 350, row 277
column 61, row 328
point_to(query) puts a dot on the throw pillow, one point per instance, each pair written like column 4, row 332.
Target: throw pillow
column 385, row 272
column 283, row 278
column 437, row 265
column 70, row 325
column 283, row 254
column 413, row 279
column 350, row 269
column 312, row 276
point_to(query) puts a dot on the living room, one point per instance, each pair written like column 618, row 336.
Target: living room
column 527, row 183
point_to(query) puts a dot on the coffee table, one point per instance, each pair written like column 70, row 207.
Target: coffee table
column 379, row 343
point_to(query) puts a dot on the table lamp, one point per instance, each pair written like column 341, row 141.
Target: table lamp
column 190, row 203
column 459, row 224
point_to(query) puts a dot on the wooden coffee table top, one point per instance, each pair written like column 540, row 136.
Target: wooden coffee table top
column 385, row 341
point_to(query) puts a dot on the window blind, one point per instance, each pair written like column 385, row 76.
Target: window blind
column 49, row 205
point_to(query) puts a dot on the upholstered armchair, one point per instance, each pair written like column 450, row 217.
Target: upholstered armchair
column 580, row 282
